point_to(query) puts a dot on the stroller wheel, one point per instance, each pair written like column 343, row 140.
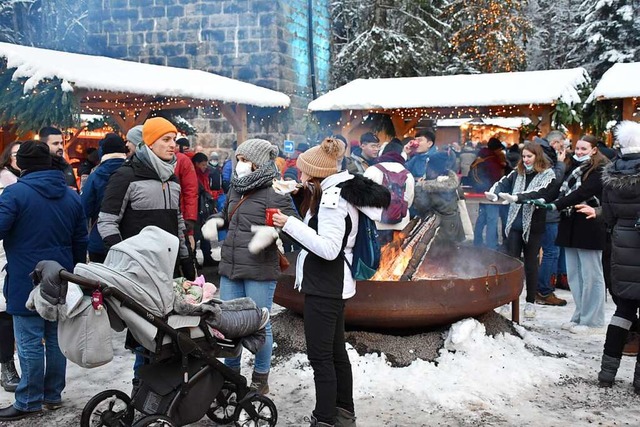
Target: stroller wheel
column 224, row 406
column 257, row 411
column 155, row 421
column 110, row 408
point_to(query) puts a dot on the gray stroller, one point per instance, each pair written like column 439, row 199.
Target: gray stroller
column 182, row 380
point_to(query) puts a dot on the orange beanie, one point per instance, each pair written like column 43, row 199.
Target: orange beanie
column 154, row 128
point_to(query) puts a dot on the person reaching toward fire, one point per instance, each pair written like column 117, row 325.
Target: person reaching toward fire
column 533, row 179
column 330, row 204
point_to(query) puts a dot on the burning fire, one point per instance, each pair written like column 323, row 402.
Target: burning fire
column 394, row 259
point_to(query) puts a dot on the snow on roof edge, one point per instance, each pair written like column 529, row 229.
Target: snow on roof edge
column 619, row 81
column 116, row 75
column 462, row 90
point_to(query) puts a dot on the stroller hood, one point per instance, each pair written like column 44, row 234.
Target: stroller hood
column 142, row 267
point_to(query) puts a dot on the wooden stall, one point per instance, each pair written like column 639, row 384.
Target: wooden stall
column 620, row 85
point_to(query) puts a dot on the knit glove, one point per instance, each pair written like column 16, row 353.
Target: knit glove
column 508, row 198
column 263, row 237
column 542, row 205
column 52, row 288
column 490, row 196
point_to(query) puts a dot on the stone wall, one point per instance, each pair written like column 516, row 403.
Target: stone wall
column 264, row 42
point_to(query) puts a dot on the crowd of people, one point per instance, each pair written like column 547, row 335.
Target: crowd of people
column 570, row 213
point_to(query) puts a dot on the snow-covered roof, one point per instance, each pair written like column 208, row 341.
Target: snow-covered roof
column 464, row 90
column 504, row 122
column 116, row 75
column 620, row 81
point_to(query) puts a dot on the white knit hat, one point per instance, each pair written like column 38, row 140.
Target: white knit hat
column 628, row 137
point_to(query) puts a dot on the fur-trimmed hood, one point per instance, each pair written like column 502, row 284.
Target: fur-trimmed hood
column 441, row 184
column 363, row 192
column 622, row 173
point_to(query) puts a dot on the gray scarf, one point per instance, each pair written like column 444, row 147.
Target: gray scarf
column 163, row 168
column 259, row 178
column 541, row 180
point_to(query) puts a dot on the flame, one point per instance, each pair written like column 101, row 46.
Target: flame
column 393, row 259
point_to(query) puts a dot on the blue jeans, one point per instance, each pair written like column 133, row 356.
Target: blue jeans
column 584, row 271
column 487, row 217
column 41, row 382
column 261, row 292
column 550, row 253
column 562, row 262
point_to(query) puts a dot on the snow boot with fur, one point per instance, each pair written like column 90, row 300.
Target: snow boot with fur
column 260, row 383
column 609, row 369
column 345, row 418
column 9, row 378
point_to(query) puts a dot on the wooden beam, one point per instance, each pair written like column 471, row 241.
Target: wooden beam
column 237, row 118
column 628, row 108
column 545, row 122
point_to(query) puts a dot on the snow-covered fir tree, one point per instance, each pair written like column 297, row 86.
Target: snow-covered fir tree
column 488, row 36
column 553, row 22
column 386, row 38
column 609, row 32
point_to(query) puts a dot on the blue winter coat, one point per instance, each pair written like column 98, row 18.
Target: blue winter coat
column 92, row 194
column 41, row 218
column 417, row 164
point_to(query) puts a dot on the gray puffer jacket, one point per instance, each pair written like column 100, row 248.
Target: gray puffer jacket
column 237, row 262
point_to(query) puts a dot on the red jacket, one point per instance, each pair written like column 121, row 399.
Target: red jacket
column 186, row 174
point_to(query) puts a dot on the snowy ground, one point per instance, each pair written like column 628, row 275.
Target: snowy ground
column 545, row 379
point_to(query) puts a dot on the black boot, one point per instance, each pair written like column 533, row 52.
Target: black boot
column 315, row 423
column 609, row 369
column 9, row 378
column 636, row 378
column 10, row 413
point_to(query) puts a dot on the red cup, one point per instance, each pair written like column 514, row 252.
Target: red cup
column 268, row 220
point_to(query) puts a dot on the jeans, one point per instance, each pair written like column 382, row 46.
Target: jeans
column 549, row 263
column 43, row 366
column 7, row 342
column 562, row 262
column 261, row 292
column 487, row 217
column 332, row 376
column 584, row 271
column 516, row 245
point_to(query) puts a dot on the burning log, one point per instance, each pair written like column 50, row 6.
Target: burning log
column 420, row 245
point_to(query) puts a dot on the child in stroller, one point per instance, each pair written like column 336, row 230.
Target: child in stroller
column 183, row 380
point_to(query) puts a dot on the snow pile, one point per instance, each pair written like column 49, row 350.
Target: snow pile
column 115, row 75
column 620, row 81
column 464, row 90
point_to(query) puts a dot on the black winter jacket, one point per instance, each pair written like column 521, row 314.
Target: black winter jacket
column 575, row 230
column 620, row 209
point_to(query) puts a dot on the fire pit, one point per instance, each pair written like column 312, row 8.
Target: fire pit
column 449, row 284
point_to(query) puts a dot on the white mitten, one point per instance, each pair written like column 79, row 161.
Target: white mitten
column 508, row 198
column 210, row 229
column 216, row 253
column 263, row 237
column 490, row 196
column 280, row 245
column 285, row 187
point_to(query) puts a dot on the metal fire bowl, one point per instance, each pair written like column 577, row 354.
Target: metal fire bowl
column 423, row 303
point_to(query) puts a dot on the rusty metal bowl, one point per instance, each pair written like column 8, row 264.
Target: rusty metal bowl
column 477, row 281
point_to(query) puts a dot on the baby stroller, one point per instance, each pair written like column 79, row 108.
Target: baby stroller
column 183, row 380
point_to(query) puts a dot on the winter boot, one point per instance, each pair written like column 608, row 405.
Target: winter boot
column 9, row 377
column 562, row 282
column 345, row 418
column 636, row 379
column 315, row 423
column 609, row 369
column 260, row 383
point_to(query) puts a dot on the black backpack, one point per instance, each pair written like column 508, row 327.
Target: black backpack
column 206, row 204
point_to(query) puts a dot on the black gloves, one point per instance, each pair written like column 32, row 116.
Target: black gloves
column 52, row 288
column 188, row 267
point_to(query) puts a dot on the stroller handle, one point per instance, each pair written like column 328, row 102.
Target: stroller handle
column 79, row 280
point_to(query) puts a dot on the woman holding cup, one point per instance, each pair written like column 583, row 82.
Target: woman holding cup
column 251, row 270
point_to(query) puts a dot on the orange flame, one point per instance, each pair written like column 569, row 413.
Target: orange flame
column 394, row 259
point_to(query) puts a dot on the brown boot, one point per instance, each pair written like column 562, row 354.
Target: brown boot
column 260, row 383
column 632, row 345
column 550, row 299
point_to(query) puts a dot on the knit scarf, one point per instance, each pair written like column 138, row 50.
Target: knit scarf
column 541, row 180
column 163, row 168
column 573, row 182
column 259, row 178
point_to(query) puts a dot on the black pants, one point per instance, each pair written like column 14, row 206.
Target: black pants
column 625, row 316
column 324, row 333
column 7, row 341
column 515, row 246
column 96, row 257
